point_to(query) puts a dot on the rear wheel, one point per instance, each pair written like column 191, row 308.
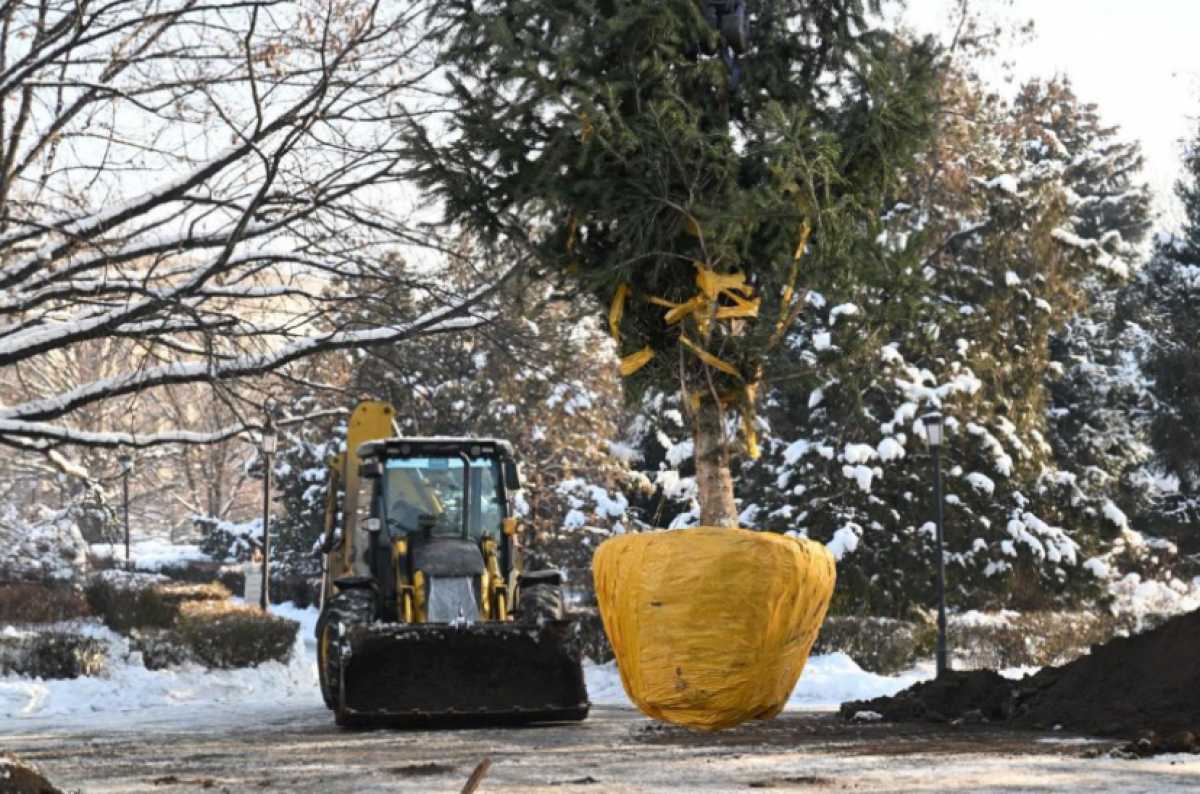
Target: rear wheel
column 347, row 608
column 540, row 601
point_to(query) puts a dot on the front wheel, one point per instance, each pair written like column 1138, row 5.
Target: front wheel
column 347, row 608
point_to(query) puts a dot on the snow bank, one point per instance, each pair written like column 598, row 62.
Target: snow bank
column 1134, row 596
column 152, row 554
column 834, row 678
column 211, row 698
column 828, row 681
column 208, row 696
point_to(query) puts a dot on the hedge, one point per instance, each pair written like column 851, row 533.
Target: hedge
column 128, row 601
column 56, row 654
column 225, row 636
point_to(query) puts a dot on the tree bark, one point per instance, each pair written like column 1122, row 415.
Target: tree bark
column 714, row 481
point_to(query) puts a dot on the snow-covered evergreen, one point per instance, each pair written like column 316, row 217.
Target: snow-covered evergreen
column 993, row 301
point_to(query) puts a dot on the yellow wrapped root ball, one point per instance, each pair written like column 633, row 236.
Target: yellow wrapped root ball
column 711, row 627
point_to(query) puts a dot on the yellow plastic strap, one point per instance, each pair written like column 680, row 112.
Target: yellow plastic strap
column 712, row 287
column 805, row 230
column 709, row 358
column 616, row 311
column 744, row 308
column 681, row 310
column 787, row 310
column 751, row 435
column 705, row 307
column 713, row 284
column 635, row 361
column 571, row 228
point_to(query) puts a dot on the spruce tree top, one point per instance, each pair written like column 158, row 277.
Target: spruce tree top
column 611, row 135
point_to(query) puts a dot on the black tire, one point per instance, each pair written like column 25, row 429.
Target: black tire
column 540, row 601
column 349, row 607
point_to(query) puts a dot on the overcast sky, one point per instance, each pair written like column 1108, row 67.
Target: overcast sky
column 1138, row 60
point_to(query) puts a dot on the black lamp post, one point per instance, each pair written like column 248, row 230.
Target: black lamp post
column 934, row 425
column 270, row 439
column 126, row 467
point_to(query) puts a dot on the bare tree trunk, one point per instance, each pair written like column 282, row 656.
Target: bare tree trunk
column 714, row 481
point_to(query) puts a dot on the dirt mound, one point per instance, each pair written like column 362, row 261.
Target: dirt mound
column 976, row 695
column 18, row 777
column 1148, row 682
column 1137, row 687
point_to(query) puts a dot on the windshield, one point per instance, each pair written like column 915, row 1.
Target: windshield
column 422, row 492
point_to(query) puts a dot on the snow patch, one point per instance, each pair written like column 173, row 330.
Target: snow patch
column 981, row 483
column 844, row 541
column 890, row 449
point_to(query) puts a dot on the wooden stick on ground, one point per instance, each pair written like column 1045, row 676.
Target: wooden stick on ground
column 477, row 776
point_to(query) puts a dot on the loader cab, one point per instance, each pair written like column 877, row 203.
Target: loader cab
column 438, row 510
column 427, row 496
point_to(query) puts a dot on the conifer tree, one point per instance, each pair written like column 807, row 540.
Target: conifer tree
column 538, row 373
column 988, row 258
column 691, row 184
column 1098, row 394
column 1168, row 306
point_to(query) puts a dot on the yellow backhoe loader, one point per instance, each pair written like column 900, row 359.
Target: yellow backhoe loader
column 426, row 616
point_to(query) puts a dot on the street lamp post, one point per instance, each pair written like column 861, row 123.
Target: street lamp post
column 126, row 467
column 934, row 424
column 270, row 440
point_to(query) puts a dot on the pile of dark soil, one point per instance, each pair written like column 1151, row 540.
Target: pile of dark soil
column 1148, row 682
column 18, row 777
column 971, row 696
column 1145, row 687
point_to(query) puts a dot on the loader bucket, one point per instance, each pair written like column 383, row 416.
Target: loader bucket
column 436, row 674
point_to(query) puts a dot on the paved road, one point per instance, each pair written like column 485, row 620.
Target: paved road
column 615, row 750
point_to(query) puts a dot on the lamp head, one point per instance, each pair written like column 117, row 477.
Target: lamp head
column 934, row 425
column 270, row 439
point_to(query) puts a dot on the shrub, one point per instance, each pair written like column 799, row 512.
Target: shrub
column 879, row 645
column 29, row 602
column 224, row 636
column 303, row 591
column 56, row 654
column 1037, row 639
column 160, row 648
column 589, row 633
column 994, row 641
column 125, row 601
column 46, row 547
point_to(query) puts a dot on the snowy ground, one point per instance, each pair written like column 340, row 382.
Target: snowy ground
column 187, row 695
column 297, row 749
column 189, row 730
column 195, row 696
column 201, row 698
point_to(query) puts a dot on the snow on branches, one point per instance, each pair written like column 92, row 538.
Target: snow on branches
column 207, row 200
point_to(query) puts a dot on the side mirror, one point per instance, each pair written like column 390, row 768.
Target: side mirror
column 370, row 471
column 372, row 525
column 512, row 478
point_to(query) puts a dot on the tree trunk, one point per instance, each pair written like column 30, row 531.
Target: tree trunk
column 714, row 481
